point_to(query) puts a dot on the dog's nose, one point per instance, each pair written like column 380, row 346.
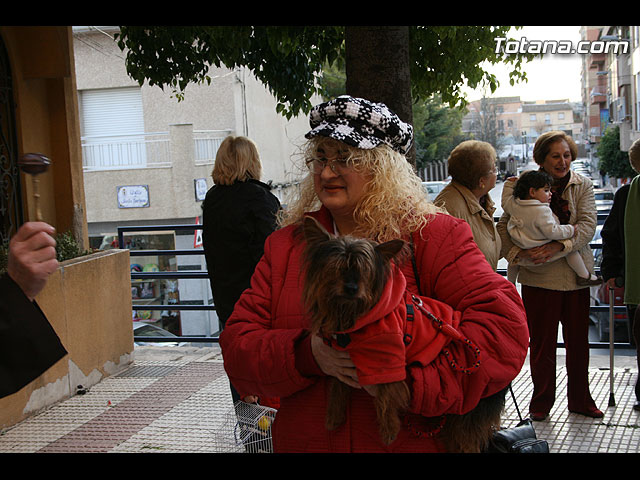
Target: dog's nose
column 350, row 288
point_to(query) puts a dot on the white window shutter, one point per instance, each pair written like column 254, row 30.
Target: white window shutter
column 112, row 128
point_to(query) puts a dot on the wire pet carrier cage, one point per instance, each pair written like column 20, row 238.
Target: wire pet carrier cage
column 247, row 427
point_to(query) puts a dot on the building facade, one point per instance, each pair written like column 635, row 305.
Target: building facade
column 623, row 82
column 546, row 115
column 38, row 113
column 594, row 88
column 143, row 138
column 496, row 120
column 512, row 125
column 611, row 80
column 147, row 161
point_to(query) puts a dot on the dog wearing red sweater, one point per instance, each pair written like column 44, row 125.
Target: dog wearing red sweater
column 357, row 299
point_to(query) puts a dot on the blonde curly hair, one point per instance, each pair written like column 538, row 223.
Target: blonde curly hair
column 394, row 204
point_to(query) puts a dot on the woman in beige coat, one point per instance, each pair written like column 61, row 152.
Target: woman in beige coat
column 550, row 291
column 472, row 166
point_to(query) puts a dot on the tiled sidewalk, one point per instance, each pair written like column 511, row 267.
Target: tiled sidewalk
column 178, row 400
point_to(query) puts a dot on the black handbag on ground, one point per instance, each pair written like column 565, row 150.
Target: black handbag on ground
column 519, row 439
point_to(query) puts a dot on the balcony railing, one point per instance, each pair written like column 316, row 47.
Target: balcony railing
column 110, row 152
column 204, row 275
column 206, row 144
column 147, row 150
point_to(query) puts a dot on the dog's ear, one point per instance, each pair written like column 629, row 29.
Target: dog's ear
column 392, row 249
column 313, row 231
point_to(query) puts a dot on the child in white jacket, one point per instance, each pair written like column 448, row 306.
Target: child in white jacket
column 532, row 223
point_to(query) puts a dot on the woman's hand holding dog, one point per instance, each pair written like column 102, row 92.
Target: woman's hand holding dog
column 334, row 362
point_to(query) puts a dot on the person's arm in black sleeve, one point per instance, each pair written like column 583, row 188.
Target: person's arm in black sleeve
column 613, row 238
column 28, row 343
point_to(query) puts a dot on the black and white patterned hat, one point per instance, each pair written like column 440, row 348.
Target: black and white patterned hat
column 360, row 123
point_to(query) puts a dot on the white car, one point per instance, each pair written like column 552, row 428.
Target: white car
column 604, row 200
column 580, row 163
column 141, row 329
column 432, row 189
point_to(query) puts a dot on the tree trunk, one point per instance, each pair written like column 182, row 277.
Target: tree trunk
column 377, row 68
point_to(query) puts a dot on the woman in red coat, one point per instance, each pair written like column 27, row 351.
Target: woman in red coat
column 361, row 184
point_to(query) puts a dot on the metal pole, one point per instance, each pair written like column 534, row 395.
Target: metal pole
column 612, row 401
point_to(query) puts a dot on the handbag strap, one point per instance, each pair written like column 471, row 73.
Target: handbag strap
column 417, row 278
column 514, row 402
column 415, row 266
column 452, row 333
column 444, row 328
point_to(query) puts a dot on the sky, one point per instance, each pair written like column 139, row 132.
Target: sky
column 554, row 77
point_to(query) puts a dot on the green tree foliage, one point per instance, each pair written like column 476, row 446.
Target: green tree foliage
column 438, row 129
column 285, row 59
column 332, row 81
column 289, row 59
column 613, row 161
column 445, row 57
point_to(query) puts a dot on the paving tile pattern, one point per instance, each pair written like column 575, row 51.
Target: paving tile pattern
column 184, row 406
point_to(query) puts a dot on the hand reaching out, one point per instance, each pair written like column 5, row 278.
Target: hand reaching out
column 32, row 257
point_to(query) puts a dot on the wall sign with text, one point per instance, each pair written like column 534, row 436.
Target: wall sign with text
column 200, row 185
column 133, row 196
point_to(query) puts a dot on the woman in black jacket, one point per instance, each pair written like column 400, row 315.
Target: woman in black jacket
column 239, row 213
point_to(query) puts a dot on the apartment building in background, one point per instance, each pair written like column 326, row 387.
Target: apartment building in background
column 545, row 115
column 611, row 81
column 495, row 120
column 147, row 161
column 513, row 124
column 594, row 89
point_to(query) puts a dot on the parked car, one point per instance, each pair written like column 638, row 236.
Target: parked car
column 604, row 200
column 584, row 173
column 142, row 329
column 582, row 167
column 580, row 163
column 433, row 188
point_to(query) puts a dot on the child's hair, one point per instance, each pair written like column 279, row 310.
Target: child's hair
column 531, row 179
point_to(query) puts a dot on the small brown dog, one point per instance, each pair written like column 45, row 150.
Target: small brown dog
column 345, row 277
column 346, row 281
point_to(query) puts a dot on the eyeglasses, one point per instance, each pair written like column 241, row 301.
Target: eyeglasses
column 338, row 166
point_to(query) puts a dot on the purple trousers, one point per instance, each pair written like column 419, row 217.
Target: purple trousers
column 546, row 309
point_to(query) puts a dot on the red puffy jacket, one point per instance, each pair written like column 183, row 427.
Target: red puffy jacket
column 267, row 352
